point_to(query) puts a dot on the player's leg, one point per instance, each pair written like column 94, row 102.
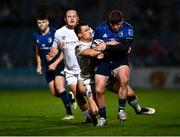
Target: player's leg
column 100, row 97
column 89, row 88
column 113, row 85
column 63, row 94
column 72, row 82
column 50, row 78
column 122, row 73
column 133, row 101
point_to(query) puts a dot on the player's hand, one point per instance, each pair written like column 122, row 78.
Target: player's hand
column 39, row 70
column 112, row 42
column 101, row 46
column 100, row 56
column 52, row 67
column 129, row 50
column 49, row 57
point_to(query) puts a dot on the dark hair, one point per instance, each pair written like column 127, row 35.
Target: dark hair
column 42, row 16
column 77, row 29
column 115, row 16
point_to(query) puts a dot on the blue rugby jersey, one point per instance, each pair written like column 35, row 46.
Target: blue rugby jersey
column 44, row 42
column 104, row 32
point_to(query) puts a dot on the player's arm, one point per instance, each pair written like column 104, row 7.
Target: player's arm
column 38, row 62
column 121, row 47
column 90, row 52
column 56, row 62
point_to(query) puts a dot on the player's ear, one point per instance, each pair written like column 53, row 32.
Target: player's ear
column 77, row 18
column 48, row 22
column 79, row 35
column 65, row 19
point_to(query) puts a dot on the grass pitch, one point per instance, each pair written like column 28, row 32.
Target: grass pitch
column 36, row 112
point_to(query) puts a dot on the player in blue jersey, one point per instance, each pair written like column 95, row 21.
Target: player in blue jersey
column 53, row 66
column 118, row 36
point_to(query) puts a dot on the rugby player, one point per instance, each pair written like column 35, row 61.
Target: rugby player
column 118, row 36
column 53, row 66
column 85, row 52
column 66, row 39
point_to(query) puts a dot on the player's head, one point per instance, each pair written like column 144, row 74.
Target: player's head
column 83, row 32
column 115, row 20
column 42, row 22
column 71, row 18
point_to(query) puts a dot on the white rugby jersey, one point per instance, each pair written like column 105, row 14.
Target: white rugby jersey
column 87, row 64
column 67, row 40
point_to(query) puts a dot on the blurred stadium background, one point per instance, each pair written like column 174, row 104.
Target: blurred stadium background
column 156, row 53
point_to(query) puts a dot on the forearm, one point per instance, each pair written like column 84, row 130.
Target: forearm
column 90, row 52
column 121, row 47
column 38, row 61
column 117, row 48
column 58, row 60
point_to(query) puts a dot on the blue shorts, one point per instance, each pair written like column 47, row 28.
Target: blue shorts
column 50, row 75
column 105, row 68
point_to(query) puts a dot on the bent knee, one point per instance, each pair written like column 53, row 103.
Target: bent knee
column 100, row 90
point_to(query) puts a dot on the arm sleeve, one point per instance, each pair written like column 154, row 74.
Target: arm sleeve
column 122, row 47
column 97, row 33
column 56, row 41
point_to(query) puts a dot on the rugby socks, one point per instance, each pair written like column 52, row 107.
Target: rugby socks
column 87, row 114
column 65, row 98
column 122, row 103
column 132, row 101
column 102, row 112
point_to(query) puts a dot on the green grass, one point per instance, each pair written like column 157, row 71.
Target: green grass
column 38, row 113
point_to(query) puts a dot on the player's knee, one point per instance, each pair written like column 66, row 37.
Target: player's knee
column 99, row 90
column 95, row 111
column 53, row 93
column 124, row 82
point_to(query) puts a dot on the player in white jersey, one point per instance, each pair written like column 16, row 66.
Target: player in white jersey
column 87, row 63
column 66, row 38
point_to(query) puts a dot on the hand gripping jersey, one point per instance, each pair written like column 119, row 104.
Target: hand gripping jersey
column 87, row 64
column 67, row 40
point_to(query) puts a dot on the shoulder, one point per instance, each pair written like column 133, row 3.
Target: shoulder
column 102, row 25
column 36, row 35
column 82, row 46
column 128, row 29
column 61, row 30
column 52, row 30
column 127, row 25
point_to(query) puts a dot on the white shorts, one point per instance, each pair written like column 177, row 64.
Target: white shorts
column 71, row 79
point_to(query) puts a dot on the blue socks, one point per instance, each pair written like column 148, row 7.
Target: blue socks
column 66, row 100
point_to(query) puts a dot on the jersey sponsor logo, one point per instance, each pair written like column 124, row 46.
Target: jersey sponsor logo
column 105, row 35
column 43, row 45
column 44, row 48
column 71, row 42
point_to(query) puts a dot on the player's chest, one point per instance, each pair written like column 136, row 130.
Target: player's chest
column 45, row 41
column 107, row 36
